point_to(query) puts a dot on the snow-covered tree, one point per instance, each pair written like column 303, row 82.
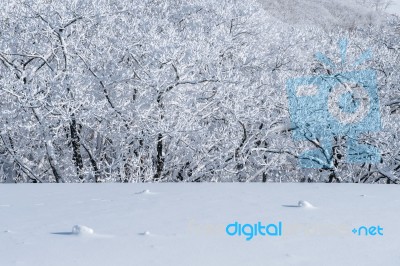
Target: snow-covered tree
column 137, row 91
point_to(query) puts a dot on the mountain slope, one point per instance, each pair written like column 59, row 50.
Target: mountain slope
column 323, row 13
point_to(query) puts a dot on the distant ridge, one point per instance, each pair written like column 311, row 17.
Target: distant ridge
column 322, row 13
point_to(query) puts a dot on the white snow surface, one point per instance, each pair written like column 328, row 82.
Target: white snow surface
column 184, row 224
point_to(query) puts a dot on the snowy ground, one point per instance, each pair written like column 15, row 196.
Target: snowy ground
column 184, row 224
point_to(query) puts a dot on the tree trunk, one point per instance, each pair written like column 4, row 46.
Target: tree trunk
column 76, row 148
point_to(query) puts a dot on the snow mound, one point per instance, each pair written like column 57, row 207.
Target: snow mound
column 146, row 191
column 305, row 204
column 82, row 230
column 147, row 233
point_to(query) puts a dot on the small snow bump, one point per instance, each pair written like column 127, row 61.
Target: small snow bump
column 82, row 230
column 146, row 191
column 146, row 233
column 305, row 204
